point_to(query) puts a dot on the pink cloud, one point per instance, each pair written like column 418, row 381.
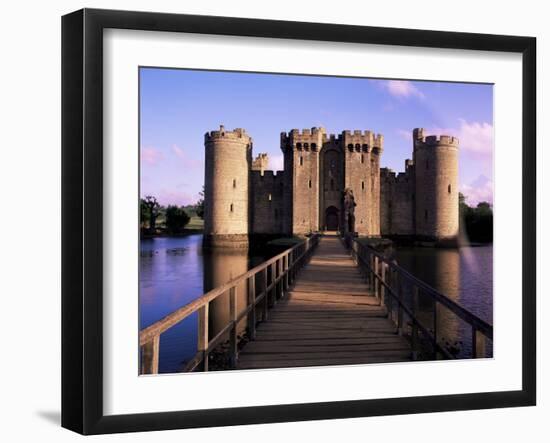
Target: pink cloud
column 474, row 137
column 188, row 162
column 151, row 156
column 180, row 198
column 402, row 89
column 480, row 190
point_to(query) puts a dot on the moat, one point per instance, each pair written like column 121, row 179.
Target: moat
column 176, row 270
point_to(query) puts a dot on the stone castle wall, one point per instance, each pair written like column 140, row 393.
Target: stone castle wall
column 242, row 197
column 397, row 207
column 267, row 198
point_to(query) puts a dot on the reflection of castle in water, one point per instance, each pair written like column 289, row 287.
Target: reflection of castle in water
column 441, row 269
column 220, row 266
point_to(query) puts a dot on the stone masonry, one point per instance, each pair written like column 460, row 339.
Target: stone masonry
column 243, row 198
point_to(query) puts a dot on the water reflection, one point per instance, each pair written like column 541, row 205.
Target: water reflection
column 221, row 266
column 175, row 271
column 466, row 276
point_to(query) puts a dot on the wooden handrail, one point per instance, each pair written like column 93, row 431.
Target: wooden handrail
column 283, row 271
column 476, row 323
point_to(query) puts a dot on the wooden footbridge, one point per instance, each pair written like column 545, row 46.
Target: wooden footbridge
column 325, row 301
column 328, row 317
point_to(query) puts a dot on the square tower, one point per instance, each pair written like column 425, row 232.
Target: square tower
column 301, row 181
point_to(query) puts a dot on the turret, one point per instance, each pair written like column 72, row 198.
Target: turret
column 436, row 180
column 226, row 188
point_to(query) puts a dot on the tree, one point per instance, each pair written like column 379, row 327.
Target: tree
column 476, row 223
column 199, row 207
column 176, row 219
column 143, row 213
column 153, row 209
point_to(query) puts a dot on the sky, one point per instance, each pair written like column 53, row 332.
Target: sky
column 177, row 107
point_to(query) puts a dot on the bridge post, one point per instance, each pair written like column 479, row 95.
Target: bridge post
column 233, row 331
column 150, row 356
column 273, row 284
column 252, row 305
column 389, row 297
column 382, row 281
column 285, row 270
column 399, row 289
column 202, row 345
column 375, row 276
column 435, row 330
column 265, row 304
column 474, row 342
column 280, row 285
column 414, row 329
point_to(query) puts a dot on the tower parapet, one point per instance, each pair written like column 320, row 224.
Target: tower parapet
column 304, row 140
column 226, row 187
column 362, row 141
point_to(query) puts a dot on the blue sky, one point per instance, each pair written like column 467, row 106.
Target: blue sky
column 178, row 106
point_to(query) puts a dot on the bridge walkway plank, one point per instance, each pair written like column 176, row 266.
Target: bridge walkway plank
column 327, row 318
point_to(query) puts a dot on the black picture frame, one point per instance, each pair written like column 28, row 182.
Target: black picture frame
column 82, row 218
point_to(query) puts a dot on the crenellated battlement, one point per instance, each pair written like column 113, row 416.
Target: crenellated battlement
column 269, row 174
column 389, row 176
column 433, row 140
column 237, row 134
column 362, row 141
column 305, row 139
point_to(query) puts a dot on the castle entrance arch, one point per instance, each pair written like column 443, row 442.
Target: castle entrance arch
column 332, row 218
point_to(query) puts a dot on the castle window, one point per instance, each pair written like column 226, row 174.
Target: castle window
column 234, row 182
column 363, row 186
column 350, row 147
column 306, row 145
column 301, row 160
column 231, row 207
column 332, row 184
column 449, row 189
column 362, row 158
column 269, row 197
column 313, row 146
column 299, row 145
column 358, row 147
column 309, row 184
column 427, row 164
column 426, row 214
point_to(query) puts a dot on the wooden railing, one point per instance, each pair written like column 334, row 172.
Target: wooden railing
column 390, row 283
column 265, row 285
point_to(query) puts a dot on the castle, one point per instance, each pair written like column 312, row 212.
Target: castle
column 329, row 183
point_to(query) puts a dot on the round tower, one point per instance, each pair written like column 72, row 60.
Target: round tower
column 228, row 159
column 436, row 196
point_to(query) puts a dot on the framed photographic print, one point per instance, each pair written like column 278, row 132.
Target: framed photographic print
column 269, row 221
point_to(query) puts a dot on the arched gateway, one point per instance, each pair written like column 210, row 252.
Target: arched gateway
column 332, row 218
